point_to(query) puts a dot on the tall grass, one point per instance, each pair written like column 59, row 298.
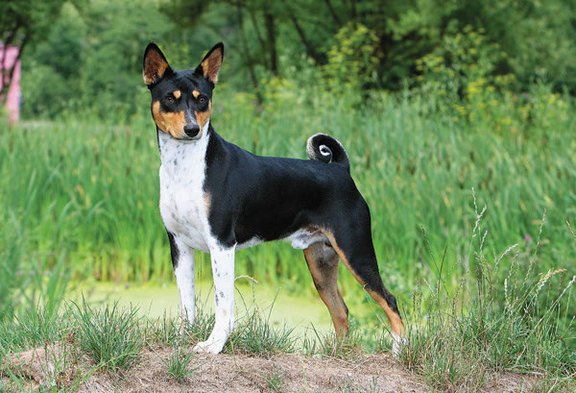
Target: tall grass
column 473, row 221
column 506, row 317
column 85, row 194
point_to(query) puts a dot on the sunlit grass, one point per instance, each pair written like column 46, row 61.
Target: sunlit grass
column 110, row 336
column 92, row 189
column 474, row 229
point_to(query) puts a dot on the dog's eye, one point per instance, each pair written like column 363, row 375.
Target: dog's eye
column 202, row 100
column 170, row 99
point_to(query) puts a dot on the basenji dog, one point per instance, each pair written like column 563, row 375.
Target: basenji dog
column 218, row 198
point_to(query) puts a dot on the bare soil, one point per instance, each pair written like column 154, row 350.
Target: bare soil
column 227, row 373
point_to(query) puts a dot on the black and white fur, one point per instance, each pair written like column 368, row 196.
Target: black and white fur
column 216, row 197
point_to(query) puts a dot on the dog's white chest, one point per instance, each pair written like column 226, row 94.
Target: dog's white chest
column 182, row 197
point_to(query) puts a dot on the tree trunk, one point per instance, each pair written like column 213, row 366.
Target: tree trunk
column 310, row 48
column 249, row 59
column 271, row 40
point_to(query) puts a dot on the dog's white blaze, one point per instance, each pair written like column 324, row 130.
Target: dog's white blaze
column 185, row 279
column 184, row 212
column 182, row 203
column 223, row 275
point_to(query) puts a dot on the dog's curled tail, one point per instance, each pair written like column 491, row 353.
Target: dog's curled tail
column 324, row 148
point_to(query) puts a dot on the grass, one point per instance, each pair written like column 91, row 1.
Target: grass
column 274, row 381
column 178, row 365
column 530, row 331
column 92, row 189
column 473, row 225
column 454, row 349
column 255, row 335
column 328, row 345
column 110, row 336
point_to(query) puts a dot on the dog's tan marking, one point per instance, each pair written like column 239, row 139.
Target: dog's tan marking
column 203, row 117
column 154, row 67
column 170, row 122
column 323, row 265
column 395, row 321
column 195, row 93
column 177, row 94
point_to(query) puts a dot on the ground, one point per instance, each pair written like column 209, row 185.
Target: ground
column 232, row 373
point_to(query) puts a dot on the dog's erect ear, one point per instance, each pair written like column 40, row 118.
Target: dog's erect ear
column 211, row 63
column 155, row 66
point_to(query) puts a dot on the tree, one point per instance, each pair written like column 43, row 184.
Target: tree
column 20, row 22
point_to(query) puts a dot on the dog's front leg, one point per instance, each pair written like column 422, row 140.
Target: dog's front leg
column 184, row 270
column 223, row 276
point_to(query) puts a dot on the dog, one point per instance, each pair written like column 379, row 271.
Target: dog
column 217, row 198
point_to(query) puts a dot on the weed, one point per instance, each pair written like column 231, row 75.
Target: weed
column 349, row 347
column 178, row 365
column 111, row 337
column 163, row 330
column 202, row 326
column 455, row 346
column 274, row 381
column 255, row 335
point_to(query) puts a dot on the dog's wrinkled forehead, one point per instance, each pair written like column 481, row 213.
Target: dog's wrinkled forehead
column 183, row 83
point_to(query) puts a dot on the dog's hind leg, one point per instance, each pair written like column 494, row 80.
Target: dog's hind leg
column 184, row 270
column 353, row 243
column 323, row 264
column 223, row 275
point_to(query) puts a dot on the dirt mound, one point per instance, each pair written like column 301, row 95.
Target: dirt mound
column 225, row 373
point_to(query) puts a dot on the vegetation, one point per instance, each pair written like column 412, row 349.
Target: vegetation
column 178, row 366
column 110, row 336
column 458, row 120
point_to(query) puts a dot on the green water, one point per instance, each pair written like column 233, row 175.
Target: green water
column 154, row 301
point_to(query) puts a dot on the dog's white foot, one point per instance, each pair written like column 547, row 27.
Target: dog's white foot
column 210, row 346
column 398, row 345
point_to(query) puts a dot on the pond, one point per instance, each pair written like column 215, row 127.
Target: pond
column 303, row 314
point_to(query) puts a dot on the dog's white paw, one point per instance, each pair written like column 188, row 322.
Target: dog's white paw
column 398, row 345
column 209, row 346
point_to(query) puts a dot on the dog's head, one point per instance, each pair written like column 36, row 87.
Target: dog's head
column 181, row 100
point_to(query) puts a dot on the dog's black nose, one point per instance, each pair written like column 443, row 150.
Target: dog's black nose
column 191, row 130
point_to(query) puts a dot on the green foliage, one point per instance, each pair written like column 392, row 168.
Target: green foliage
column 51, row 77
column 20, row 23
column 110, row 336
column 328, row 345
column 178, row 365
column 275, row 381
column 511, row 316
column 463, row 58
column 88, row 57
column 482, row 103
column 254, row 334
column 91, row 189
column 354, row 58
column 92, row 58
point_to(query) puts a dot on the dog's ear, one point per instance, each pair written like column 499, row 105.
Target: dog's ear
column 155, row 66
column 211, row 63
